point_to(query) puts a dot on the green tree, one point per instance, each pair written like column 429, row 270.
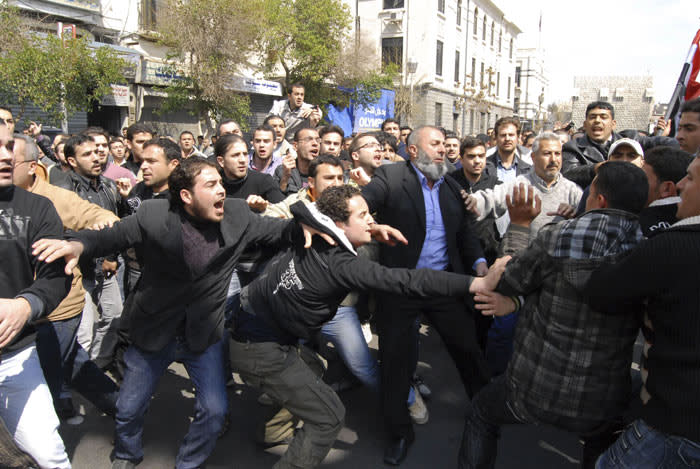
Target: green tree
column 60, row 77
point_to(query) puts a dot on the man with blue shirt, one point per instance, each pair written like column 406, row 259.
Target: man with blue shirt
column 424, row 203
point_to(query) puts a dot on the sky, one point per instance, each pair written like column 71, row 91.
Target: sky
column 612, row 37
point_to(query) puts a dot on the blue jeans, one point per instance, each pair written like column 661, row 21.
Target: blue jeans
column 345, row 333
column 641, row 447
column 143, row 370
column 65, row 362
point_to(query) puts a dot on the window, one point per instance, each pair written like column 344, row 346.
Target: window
column 481, row 77
column 508, row 88
column 510, row 50
column 500, row 41
column 390, row 4
column 455, row 122
column 493, row 32
column 459, row 12
column 392, row 51
column 476, row 20
column 473, row 71
column 438, row 114
column 471, row 121
column 149, row 14
column 517, row 76
column 438, row 59
column 441, row 6
column 483, row 32
column 457, row 66
column 498, row 84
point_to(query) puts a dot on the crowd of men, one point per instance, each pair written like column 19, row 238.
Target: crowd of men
column 539, row 260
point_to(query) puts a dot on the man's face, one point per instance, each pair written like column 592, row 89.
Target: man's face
column 156, row 168
column 60, row 155
column 330, row 143
column 86, row 162
column 117, row 150
column 278, row 125
column 547, row 160
column 428, row 154
column 688, row 134
column 368, row 155
column 102, row 147
column 23, row 174
column 389, row 153
column 136, row 145
column 6, row 156
column 263, row 144
column 474, row 160
column 357, row 226
column 404, row 134
column 326, row 176
column 689, row 187
column 8, row 119
column 235, row 161
column 186, row 142
column 206, row 200
column 654, row 183
column 392, row 128
column 452, row 149
column 230, row 128
column 599, row 125
column 308, row 145
column 296, row 97
column 507, row 138
column 626, row 153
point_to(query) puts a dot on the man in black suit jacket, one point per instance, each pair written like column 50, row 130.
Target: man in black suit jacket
column 425, row 205
column 191, row 245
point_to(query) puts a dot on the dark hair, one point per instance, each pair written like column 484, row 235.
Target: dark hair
column 170, row 148
column 355, row 144
column 390, row 120
column 271, row 117
column 225, row 141
column 295, row 85
column 668, row 163
column 530, row 136
column 4, row 108
column 138, row 128
column 333, row 202
column 624, row 186
column 483, row 138
column 331, row 129
column 691, row 106
column 92, row 131
column 186, row 132
column 324, row 158
column 405, row 127
column 509, row 120
column 468, row 143
column 450, row 134
column 601, row 105
column 116, row 140
column 296, row 134
column 386, row 138
column 72, row 143
column 265, row 128
column 224, row 122
column 183, row 176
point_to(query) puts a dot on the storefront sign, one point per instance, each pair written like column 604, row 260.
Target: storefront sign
column 91, row 5
column 118, row 97
column 254, row 85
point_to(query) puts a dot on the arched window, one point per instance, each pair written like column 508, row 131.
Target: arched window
column 493, row 30
column 483, row 33
column 476, row 19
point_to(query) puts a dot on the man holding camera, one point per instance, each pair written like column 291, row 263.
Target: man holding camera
column 296, row 113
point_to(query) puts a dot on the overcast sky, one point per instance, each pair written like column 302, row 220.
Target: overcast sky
column 608, row 37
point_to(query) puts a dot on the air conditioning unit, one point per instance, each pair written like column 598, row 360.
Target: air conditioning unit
column 604, row 93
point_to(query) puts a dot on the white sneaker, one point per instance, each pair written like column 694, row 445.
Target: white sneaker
column 418, row 410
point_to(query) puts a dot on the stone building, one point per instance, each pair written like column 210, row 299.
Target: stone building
column 457, row 58
column 632, row 97
column 531, row 87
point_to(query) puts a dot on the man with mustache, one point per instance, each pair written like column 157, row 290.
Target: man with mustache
column 423, row 202
column 559, row 195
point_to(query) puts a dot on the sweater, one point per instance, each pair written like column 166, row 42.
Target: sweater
column 254, row 183
column 664, row 271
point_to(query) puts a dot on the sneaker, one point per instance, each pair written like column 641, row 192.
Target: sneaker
column 123, row 464
column 418, row 410
column 420, row 385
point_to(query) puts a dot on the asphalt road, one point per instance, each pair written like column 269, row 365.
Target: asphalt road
column 359, row 445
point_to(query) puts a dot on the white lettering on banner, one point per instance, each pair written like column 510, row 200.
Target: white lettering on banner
column 370, row 122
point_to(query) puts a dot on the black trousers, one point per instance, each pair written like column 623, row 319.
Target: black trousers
column 454, row 322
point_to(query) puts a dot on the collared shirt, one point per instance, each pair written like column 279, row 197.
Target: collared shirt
column 433, row 255
column 506, row 174
column 276, row 161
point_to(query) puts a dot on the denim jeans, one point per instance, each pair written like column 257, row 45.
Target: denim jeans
column 642, row 447
column 65, row 362
column 108, row 301
column 345, row 333
column 27, row 409
column 143, row 370
column 499, row 345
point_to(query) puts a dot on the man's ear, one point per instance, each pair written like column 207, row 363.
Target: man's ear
column 668, row 189
column 72, row 161
column 220, row 160
column 186, row 196
column 172, row 164
column 602, row 201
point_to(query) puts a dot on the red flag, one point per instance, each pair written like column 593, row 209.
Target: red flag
column 692, row 83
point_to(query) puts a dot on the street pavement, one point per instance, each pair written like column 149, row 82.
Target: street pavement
column 359, row 445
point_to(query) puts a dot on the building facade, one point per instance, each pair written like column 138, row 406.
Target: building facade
column 632, row 97
column 531, row 88
column 457, row 58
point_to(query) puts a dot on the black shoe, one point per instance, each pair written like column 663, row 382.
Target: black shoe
column 396, row 451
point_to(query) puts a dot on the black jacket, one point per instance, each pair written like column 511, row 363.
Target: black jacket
column 254, row 183
column 301, row 289
column 24, row 219
column 169, row 293
column 579, row 156
column 520, row 168
column 395, row 194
